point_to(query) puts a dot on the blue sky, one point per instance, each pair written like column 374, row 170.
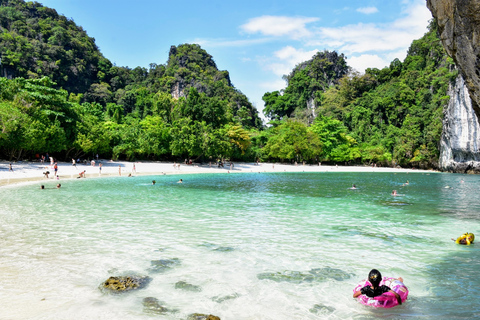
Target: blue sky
column 256, row 41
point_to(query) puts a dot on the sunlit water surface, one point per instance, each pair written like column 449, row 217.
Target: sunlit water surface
column 256, row 245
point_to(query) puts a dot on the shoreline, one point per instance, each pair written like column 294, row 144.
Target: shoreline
column 31, row 172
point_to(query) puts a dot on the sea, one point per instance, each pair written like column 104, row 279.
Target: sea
column 239, row 246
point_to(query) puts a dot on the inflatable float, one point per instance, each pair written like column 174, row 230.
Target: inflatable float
column 466, row 238
column 387, row 299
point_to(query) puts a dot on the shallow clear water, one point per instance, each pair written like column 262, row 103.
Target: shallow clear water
column 258, row 245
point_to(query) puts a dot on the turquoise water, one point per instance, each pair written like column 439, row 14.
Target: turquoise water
column 255, row 245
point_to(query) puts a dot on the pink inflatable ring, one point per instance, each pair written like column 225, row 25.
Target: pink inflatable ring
column 387, row 299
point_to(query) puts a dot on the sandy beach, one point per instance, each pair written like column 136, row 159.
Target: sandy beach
column 26, row 172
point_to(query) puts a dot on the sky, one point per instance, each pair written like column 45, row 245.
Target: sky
column 256, row 41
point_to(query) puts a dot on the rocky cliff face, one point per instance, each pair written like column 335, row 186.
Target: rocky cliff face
column 460, row 142
column 459, row 26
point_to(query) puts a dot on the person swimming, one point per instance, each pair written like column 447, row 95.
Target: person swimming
column 375, row 290
column 354, row 187
column 153, row 182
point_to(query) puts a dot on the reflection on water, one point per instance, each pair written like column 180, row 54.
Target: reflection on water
column 239, row 246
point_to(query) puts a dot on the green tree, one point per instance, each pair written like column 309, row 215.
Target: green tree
column 292, row 141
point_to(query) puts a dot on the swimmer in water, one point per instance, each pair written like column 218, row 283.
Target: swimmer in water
column 394, row 193
column 153, row 182
column 180, row 181
column 353, row 187
column 375, row 290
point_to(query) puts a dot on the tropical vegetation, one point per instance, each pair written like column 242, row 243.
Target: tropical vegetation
column 59, row 94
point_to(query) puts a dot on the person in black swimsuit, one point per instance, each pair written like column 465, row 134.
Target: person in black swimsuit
column 375, row 290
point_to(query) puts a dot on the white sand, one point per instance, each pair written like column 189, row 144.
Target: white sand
column 33, row 171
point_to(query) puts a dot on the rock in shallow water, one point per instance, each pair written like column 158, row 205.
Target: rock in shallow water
column 318, row 274
column 125, row 283
column 152, row 305
column 220, row 299
column 163, row 265
column 330, row 273
column 215, row 247
column 321, row 309
column 199, row 316
column 187, row 286
column 287, row 276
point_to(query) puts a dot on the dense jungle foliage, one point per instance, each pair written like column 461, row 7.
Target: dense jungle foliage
column 58, row 94
column 388, row 116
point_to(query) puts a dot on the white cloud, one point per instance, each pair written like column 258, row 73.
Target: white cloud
column 371, row 37
column 285, row 59
column 368, row 10
column 293, row 55
column 364, row 61
column 366, row 45
column 416, row 18
column 292, row 27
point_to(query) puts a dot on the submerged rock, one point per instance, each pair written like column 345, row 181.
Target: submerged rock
column 318, row 274
column 287, row 276
column 199, row 316
column 215, row 247
column 125, row 283
column 163, row 265
column 330, row 273
column 221, row 299
column 152, row 305
column 187, row 286
column 224, row 249
column 321, row 309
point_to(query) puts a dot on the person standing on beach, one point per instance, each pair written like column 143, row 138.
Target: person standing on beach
column 74, row 164
column 133, row 169
column 100, row 168
column 119, row 170
column 55, row 167
column 10, row 167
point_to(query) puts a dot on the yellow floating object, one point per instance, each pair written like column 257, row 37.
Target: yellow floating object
column 466, row 238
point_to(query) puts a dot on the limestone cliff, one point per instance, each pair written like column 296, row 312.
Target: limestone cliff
column 459, row 27
column 460, row 142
